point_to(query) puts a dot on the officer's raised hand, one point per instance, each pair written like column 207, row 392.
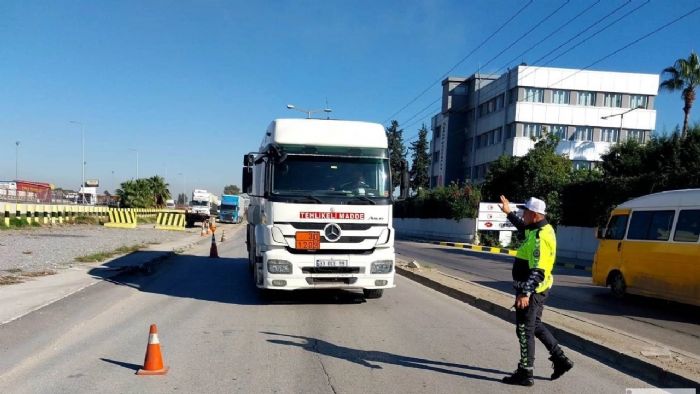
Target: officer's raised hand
column 505, row 205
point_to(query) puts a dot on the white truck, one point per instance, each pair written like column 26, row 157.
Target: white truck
column 199, row 209
column 320, row 213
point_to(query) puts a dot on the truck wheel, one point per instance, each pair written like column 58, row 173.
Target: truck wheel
column 618, row 287
column 373, row 293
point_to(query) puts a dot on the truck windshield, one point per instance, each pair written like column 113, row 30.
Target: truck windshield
column 331, row 176
column 196, row 203
column 228, row 207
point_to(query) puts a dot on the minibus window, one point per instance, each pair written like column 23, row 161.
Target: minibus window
column 616, row 227
column 651, row 225
column 688, row 227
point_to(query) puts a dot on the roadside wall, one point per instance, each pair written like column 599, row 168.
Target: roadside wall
column 435, row 229
column 576, row 242
column 572, row 242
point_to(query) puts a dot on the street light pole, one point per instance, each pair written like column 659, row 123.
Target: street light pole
column 622, row 117
column 82, row 144
column 184, row 194
column 308, row 112
column 137, row 162
column 16, row 160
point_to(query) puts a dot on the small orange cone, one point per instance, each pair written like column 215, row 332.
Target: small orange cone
column 202, row 233
column 153, row 364
column 223, row 236
column 213, row 251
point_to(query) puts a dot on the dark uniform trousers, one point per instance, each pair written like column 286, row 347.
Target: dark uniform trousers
column 528, row 321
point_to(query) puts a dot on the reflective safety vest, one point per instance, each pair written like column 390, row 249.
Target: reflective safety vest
column 539, row 250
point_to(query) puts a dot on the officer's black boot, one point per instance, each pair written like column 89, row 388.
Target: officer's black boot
column 561, row 365
column 521, row 377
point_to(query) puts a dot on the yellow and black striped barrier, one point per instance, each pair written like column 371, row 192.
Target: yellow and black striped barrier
column 121, row 218
column 170, row 221
column 501, row 251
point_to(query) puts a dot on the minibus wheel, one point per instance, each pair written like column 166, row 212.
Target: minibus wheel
column 617, row 284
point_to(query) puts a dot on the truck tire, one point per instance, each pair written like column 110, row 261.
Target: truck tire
column 373, row 293
column 618, row 287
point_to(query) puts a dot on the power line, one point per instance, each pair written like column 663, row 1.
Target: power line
column 535, row 26
column 459, row 62
column 598, row 32
column 583, row 31
column 522, row 36
column 555, row 31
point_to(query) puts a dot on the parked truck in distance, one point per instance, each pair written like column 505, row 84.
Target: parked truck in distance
column 230, row 209
column 320, row 214
column 199, row 208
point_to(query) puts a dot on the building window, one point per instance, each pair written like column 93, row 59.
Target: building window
column 636, row 135
column 559, row 131
column 510, row 130
column 586, row 98
column 610, row 135
column 534, row 95
column 436, row 157
column 637, row 101
column 560, row 97
column 499, row 102
column 512, row 95
column 584, row 134
column 436, row 133
column 499, row 132
column 612, row 100
column 532, row 130
column 582, row 164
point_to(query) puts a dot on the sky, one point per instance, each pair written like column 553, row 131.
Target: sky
column 190, row 86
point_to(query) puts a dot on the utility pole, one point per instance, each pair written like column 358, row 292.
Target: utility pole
column 16, row 160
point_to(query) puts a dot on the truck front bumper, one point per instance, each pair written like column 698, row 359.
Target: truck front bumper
column 306, row 275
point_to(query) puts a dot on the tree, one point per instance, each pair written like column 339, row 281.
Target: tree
column 684, row 75
column 420, row 165
column 159, row 190
column 541, row 173
column 232, row 189
column 397, row 152
column 182, row 199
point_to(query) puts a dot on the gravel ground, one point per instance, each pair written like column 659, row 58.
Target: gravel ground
column 47, row 248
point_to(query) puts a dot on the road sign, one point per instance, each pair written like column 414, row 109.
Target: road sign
column 491, row 217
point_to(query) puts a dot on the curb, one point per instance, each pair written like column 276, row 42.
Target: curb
column 637, row 367
column 495, row 250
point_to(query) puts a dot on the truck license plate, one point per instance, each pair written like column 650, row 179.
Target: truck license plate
column 308, row 240
column 331, row 263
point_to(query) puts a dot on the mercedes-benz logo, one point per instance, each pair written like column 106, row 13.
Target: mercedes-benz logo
column 332, row 232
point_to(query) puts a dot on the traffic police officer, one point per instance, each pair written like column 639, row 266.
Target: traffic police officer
column 532, row 280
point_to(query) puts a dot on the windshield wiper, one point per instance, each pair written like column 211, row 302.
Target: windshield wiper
column 310, row 198
column 363, row 198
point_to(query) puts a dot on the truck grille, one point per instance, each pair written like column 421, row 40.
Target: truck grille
column 321, row 226
column 333, row 270
column 330, row 281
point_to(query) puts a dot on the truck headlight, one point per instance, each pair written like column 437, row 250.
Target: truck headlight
column 279, row 267
column 382, row 267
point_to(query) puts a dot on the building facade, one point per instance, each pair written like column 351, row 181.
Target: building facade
column 486, row 116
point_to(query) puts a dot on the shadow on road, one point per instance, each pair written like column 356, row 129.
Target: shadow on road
column 134, row 367
column 225, row 280
column 371, row 358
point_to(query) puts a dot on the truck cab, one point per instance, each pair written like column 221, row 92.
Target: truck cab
column 229, row 211
column 320, row 213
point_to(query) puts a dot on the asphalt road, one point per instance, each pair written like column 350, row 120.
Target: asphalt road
column 670, row 324
column 219, row 336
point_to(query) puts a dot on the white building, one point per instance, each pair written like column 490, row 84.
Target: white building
column 588, row 110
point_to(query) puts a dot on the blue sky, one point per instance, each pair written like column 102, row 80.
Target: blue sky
column 192, row 85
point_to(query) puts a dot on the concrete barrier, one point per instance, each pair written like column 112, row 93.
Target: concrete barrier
column 170, row 221
column 576, row 242
column 438, row 229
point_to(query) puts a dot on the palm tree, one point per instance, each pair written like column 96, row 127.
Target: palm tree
column 159, row 189
column 684, row 75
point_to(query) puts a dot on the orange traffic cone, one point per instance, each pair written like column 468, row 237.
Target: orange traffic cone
column 202, row 233
column 153, row 364
column 213, row 251
column 223, row 236
column 212, row 226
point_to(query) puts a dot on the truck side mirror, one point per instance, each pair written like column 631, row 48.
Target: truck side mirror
column 247, row 180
